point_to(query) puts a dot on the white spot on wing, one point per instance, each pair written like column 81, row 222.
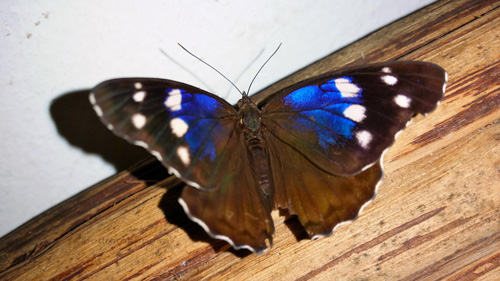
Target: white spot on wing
column 364, row 138
column 141, row 144
column 179, row 127
column 138, row 85
column 389, row 80
column 355, row 112
column 92, row 98
column 174, row 100
column 138, row 120
column 110, row 126
column 183, row 154
column 386, row 69
column 97, row 110
column 347, row 88
column 139, row 96
column 374, row 193
column 156, row 154
column 146, row 146
column 174, row 172
column 403, row 101
column 445, row 81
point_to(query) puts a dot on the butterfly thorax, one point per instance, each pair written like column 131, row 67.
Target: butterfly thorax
column 250, row 121
column 249, row 114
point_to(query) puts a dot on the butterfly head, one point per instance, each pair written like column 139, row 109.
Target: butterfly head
column 248, row 113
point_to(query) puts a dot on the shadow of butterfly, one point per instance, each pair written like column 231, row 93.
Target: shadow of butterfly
column 313, row 148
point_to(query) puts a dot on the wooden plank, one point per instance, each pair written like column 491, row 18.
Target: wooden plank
column 436, row 215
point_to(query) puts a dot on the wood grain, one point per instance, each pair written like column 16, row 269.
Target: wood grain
column 436, row 216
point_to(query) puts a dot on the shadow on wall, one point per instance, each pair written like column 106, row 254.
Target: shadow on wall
column 77, row 122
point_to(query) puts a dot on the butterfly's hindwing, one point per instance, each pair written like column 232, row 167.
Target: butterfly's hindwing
column 236, row 211
column 320, row 200
column 186, row 128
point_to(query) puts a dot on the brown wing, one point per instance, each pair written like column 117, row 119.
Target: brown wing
column 321, row 200
column 235, row 211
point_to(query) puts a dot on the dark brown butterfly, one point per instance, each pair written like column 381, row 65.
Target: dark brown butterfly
column 313, row 148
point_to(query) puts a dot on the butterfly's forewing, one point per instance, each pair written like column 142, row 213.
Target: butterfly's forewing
column 186, row 128
column 343, row 121
column 236, row 212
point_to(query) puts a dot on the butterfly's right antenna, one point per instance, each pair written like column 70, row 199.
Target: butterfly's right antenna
column 212, row 68
column 246, row 68
column 248, row 91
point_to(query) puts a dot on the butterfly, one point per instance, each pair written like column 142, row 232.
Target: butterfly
column 313, row 148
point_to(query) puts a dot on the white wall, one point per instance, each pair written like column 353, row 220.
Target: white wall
column 53, row 52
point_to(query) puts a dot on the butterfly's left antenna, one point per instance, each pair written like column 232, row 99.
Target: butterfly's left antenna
column 187, row 70
column 212, row 68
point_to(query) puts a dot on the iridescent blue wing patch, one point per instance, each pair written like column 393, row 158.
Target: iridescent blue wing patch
column 186, row 128
column 343, row 121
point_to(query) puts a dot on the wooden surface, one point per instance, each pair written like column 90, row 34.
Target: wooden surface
column 436, row 216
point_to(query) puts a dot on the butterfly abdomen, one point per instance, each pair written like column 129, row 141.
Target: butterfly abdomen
column 259, row 160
